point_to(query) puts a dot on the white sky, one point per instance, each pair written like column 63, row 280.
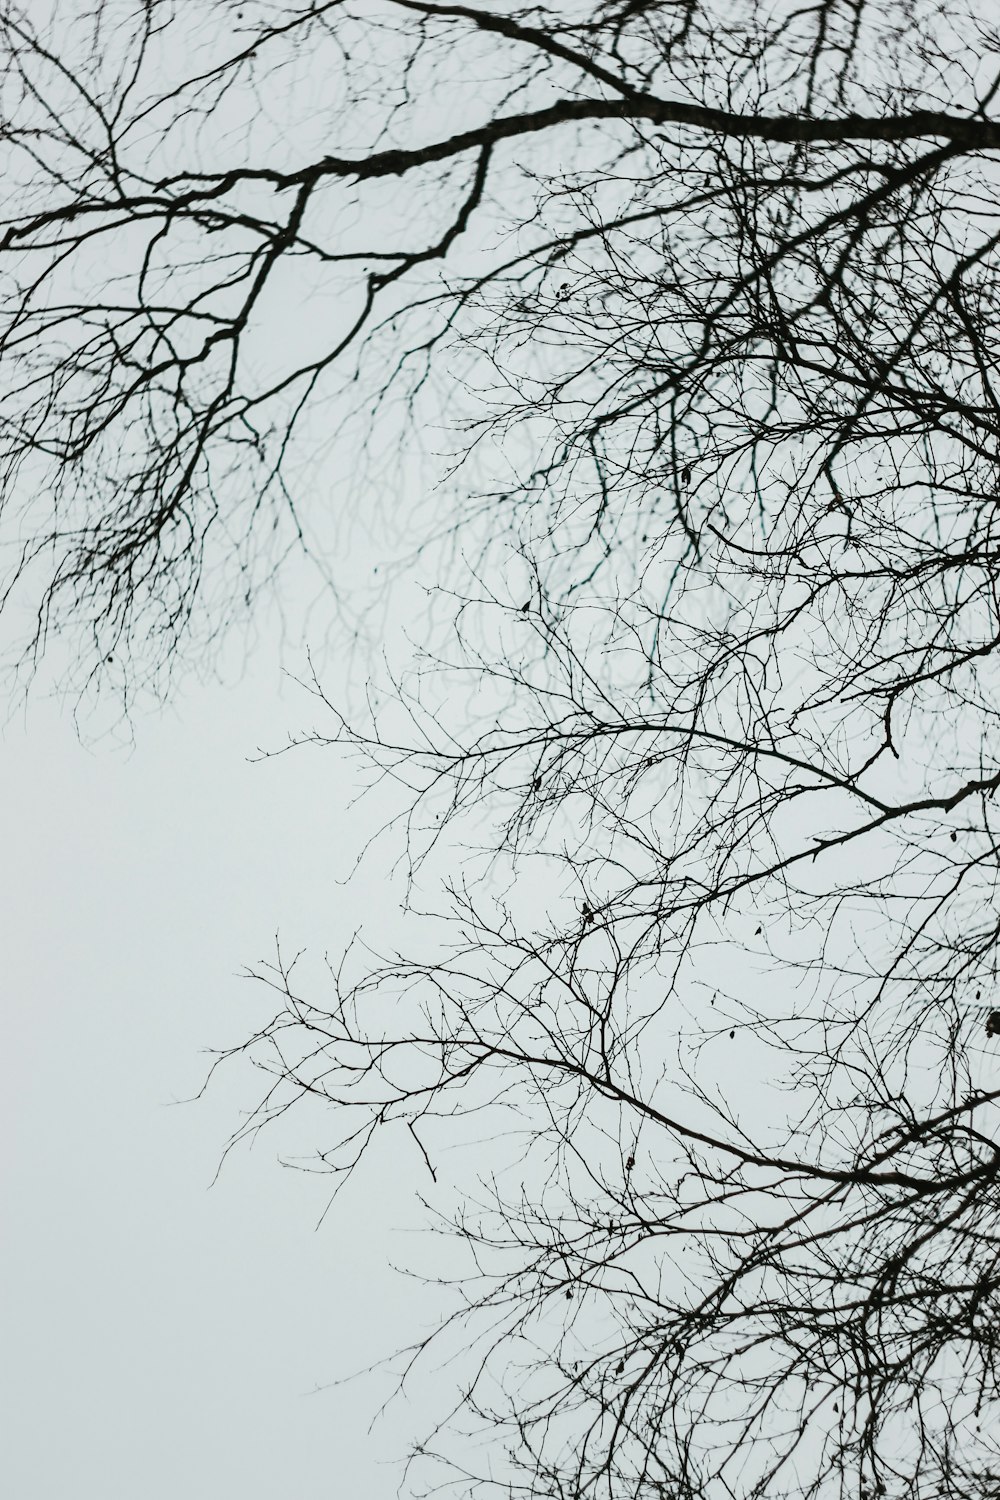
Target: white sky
column 160, row 1338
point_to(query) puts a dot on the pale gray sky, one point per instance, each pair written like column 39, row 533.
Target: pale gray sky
column 161, row 1338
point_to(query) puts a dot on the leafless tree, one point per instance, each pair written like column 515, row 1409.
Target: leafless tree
column 708, row 296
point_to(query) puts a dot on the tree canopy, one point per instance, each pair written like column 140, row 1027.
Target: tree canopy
column 699, row 304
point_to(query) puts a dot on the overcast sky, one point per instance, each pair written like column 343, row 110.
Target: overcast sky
column 162, row 1337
